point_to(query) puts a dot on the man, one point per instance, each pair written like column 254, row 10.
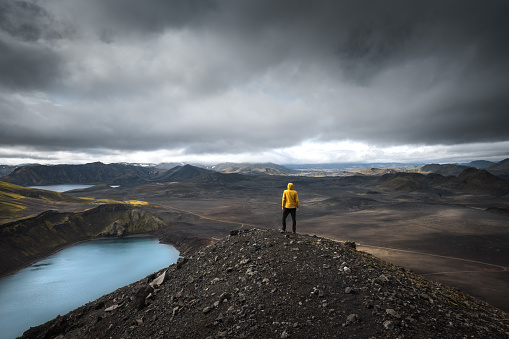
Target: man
column 290, row 205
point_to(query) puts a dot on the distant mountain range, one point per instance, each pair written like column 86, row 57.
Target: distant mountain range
column 470, row 180
column 93, row 173
column 500, row 169
column 135, row 174
column 253, row 168
column 349, row 166
column 479, row 164
column 112, row 174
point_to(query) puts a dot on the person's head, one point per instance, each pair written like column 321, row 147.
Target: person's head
column 290, row 186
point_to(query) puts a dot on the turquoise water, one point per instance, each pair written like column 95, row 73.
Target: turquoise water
column 75, row 276
column 61, row 188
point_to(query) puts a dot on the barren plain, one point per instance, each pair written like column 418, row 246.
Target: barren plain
column 455, row 237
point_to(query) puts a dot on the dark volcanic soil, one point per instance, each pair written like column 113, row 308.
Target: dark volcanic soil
column 431, row 230
column 264, row 284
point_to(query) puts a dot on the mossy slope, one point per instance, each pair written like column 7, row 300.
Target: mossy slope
column 15, row 199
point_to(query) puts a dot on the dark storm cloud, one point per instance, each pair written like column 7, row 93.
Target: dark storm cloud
column 24, row 62
column 236, row 76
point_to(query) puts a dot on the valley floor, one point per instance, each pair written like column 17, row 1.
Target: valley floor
column 451, row 237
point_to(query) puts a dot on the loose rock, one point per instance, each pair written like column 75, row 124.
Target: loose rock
column 301, row 294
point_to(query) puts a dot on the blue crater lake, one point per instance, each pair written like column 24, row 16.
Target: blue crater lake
column 75, row 276
column 62, row 187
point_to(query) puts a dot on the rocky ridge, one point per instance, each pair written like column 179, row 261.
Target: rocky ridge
column 264, row 284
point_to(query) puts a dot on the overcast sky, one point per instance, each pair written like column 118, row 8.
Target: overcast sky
column 285, row 81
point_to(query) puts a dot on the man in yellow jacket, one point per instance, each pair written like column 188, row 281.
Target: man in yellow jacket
column 290, row 205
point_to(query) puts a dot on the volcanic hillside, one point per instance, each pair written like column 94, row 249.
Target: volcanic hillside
column 474, row 180
column 264, row 284
column 93, row 173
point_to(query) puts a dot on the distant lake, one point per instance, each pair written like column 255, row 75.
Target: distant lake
column 75, row 276
column 61, row 188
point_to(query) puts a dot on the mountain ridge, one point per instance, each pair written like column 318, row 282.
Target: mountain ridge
column 253, row 168
column 134, row 174
column 92, row 173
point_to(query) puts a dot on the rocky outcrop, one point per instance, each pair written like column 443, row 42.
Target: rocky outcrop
column 132, row 222
column 264, row 284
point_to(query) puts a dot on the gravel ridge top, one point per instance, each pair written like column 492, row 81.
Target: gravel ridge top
column 265, row 284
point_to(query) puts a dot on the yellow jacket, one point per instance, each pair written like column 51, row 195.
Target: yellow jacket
column 290, row 197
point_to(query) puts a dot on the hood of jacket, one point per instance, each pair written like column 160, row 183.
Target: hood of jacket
column 290, row 186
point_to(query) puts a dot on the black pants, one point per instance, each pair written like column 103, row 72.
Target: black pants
column 293, row 212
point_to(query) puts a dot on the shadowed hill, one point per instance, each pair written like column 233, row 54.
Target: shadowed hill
column 469, row 180
column 447, row 169
column 479, row 164
column 263, row 284
column 182, row 174
column 411, row 181
column 500, row 169
column 93, row 173
column 189, row 173
column 474, row 180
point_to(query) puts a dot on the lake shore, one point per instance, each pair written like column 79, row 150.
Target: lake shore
column 42, row 257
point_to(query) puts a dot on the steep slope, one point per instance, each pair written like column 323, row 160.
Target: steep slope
column 6, row 169
column 93, row 173
column 500, row 169
column 26, row 240
column 263, row 284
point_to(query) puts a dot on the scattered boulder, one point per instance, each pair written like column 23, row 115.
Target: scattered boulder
column 159, row 280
